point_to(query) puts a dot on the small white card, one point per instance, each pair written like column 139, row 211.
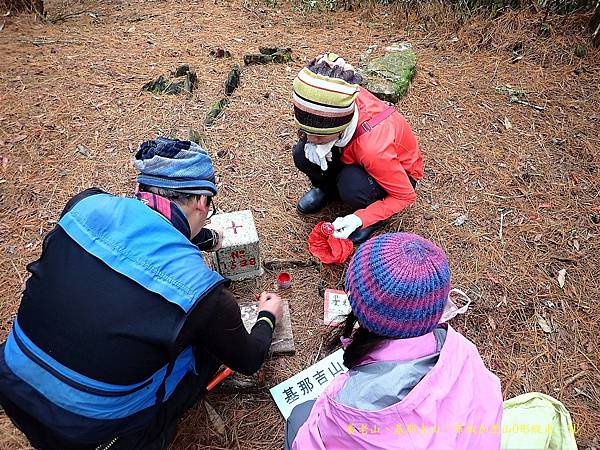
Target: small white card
column 336, row 307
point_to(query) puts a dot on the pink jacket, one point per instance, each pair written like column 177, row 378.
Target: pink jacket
column 456, row 406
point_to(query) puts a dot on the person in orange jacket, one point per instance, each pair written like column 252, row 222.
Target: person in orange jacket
column 354, row 146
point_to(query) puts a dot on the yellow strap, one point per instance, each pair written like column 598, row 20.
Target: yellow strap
column 266, row 319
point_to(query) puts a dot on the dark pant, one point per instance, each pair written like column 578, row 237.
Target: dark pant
column 297, row 417
column 162, row 431
column 156, row 435
column 354, row 186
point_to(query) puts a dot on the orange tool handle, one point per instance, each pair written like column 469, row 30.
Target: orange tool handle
column 218, row 378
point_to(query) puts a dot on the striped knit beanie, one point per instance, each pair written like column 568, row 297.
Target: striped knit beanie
column 398, row 285
column 183, row 166
column 324, row 103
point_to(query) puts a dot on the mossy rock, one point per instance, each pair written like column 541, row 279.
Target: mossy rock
column 215, row 111
column 388, row 76
column 197, row 137
column 269, row 55
column 163, row 85
column 233, row 80
column 580, row 51
column 182, row 70
column 185, row 81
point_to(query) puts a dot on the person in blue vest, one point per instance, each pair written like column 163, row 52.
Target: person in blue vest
column 121, row 325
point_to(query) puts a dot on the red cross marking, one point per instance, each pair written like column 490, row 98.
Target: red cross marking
column 234, row 227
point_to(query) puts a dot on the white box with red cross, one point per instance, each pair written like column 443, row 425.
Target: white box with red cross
column 239, row 256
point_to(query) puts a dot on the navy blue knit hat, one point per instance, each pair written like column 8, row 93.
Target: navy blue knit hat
column 183, row 166
column 398, row 284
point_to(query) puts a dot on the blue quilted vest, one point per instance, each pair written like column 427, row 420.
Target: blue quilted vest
column 141, row 244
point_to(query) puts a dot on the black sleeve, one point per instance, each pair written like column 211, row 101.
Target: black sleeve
column 77, row 198
column 206, row 239
column 215, row 325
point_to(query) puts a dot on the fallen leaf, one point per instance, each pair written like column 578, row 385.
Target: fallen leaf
column 537, row 238
column 492, row 323
column 215, row 419
column 543, row 324
column 82, row 149
column 585, row 394
column 130, row 29
column 460, row 220
column 4, row 162
column 545, row 206
column 576, row 244
column 562, row 274
column 507, row 123
column 2, row 26
column 584, row 366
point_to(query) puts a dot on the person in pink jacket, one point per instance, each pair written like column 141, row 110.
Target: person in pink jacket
column 412, row 382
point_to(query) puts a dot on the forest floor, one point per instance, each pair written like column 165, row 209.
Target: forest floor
column 526, row 180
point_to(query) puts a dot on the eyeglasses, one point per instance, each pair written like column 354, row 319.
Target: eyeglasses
column 210, row 204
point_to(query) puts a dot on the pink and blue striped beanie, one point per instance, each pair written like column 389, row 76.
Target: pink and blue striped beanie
column 398, row 284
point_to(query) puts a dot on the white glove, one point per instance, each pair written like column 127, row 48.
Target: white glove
column 345, row 226
column 318, row 154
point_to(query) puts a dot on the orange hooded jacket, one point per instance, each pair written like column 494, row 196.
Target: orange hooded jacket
column 389, row 153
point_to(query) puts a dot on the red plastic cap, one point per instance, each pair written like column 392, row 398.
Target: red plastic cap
column 327, row 228
column 284, row 280
column 284, row 277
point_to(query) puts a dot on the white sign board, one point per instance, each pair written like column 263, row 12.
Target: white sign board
column 336, row 307
column 308, row 384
